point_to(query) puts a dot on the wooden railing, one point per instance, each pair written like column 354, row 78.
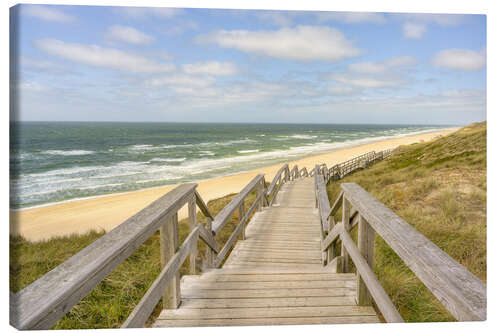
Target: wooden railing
column 41, row 304
column 463, row 294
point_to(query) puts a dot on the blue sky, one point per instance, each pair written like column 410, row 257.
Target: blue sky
column 87, row 63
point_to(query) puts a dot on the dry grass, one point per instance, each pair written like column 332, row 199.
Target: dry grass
column 439, row 188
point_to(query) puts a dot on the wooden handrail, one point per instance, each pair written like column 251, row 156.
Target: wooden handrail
column 225, row 214
column 271, row 187
column 41, row 304
column 461, row 292
column 322, row 199
column 378, row 293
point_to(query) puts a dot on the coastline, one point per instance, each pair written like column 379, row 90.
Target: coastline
column 108, row 211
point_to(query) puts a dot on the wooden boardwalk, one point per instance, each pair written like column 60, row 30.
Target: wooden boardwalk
column 275, row 276
column 289, row 264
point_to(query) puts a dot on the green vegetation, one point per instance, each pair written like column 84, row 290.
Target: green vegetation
column 439, row 188
column 112, row 300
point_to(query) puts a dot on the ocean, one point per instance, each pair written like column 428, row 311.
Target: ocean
column 58, row 161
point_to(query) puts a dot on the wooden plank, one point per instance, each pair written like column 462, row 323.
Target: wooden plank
column 332, row 236
column 273, row 277
column 275, row 179
column 268, row 293
column 192, row 226
column 378, row 293
column 245, row 285
column 345, row 223
column 462, row 293
column 264, row 271
column 336, row 204
column 203, row 207
column 42, row 303
column 267, row 302
column 209, row 239
column 323, row 203
column 142, row 311
column 268, row 321
column 277, row 312
column 254, row 259
column 226, row 212
column 169, row 242
column 270, row 264
column 366, row 243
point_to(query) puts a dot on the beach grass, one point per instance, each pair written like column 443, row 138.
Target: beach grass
column 439, row 188
column 112, row 300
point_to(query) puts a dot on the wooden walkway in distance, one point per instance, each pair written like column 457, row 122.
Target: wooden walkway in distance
column 275, row 276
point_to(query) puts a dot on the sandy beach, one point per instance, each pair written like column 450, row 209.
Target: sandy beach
column 107, row 212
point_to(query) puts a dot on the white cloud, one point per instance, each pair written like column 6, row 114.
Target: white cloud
column 181, row 81
column 341, row 90
column 352, row 17
column 46, row 13
column 211, row 68
column 97, row 56
column 282, row 19
column 128, row 35
column 465, row 60
column 414, row 30
column 382, row 67
column 366, row 81
column 304, row 43
column 147, row 12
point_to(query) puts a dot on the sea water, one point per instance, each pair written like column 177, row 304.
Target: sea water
column 57, row 161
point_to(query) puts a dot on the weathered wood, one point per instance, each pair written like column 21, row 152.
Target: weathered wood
column 256, row 293
column 41, row 304
column 192, row 226
column 345, row 222
column 332, row 236
column 208, row 238
column 336, row 205
column 267, row 302
column 142, row 311
column 225, row 214
column 283, row 312
column 241, row 216
column 261, row 285
column 378, row 293
column 276, row 178
column 462, row 293
column 212, row 249
column 203, row 207
column 366, row 243
column 268, row 321
column 229, row 244
column 169, row 242
column 323, row 203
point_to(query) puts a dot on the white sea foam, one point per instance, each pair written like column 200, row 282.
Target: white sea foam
column 206, row 153
column 248, row 151
column 68, row 152
column 92, row 187
column 160, row 159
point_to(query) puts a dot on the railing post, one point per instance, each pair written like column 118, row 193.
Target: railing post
column 366, row 242
column 261, row 191
column 192, row 225
column 330, row 251
column 346, row 213
column 169, row 243
column 241, row 215
column 210, row 254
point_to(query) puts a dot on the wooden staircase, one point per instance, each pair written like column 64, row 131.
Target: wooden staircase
column 286, row 262
column 275, row 276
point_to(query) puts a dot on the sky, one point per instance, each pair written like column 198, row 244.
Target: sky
column 93, row 63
